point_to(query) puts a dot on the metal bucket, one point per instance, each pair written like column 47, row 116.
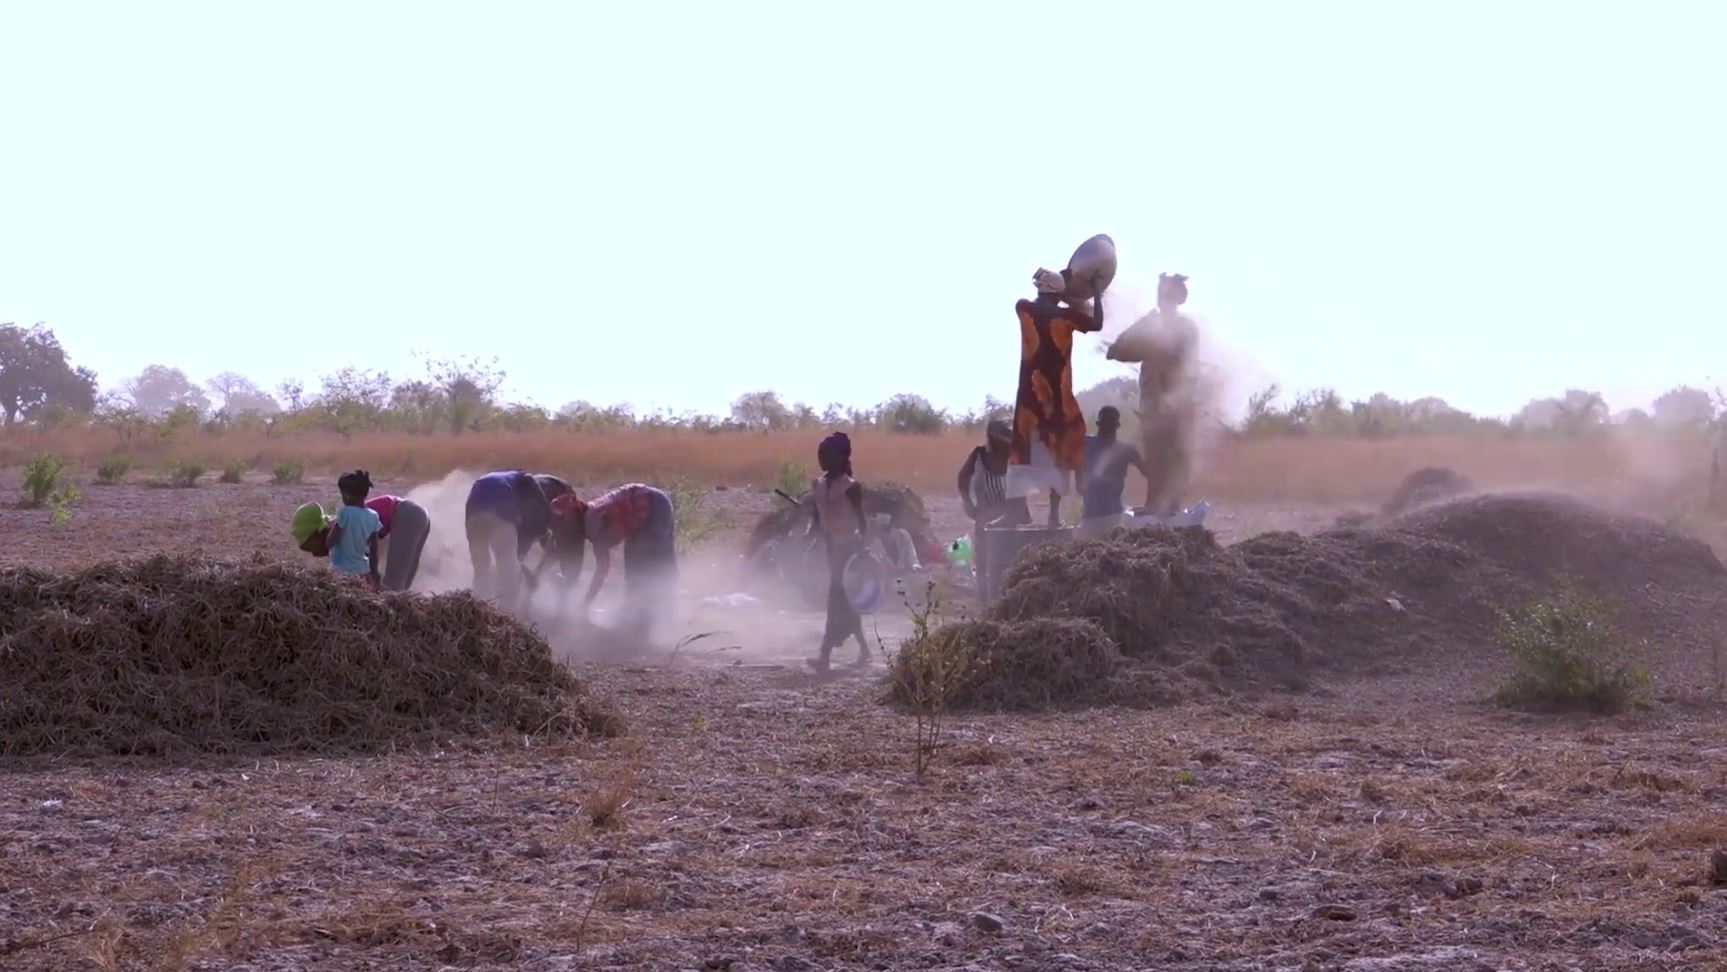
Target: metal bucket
column 1002, row 546
column 1096, row 255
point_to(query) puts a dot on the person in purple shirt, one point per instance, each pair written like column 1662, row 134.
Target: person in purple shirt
column 506, row 514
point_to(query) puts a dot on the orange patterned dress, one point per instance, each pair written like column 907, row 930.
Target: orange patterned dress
column 1045, row 409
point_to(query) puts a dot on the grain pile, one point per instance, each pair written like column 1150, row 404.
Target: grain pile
column 180, row 655
column 1276, row 609
column 1423, row 487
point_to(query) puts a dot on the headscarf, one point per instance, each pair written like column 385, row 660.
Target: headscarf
column 998, row 431
column 834, row 455
column 1048, row 281
column 308, row 519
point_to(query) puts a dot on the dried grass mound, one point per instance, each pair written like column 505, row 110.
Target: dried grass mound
column 899, row 502
column 1266, row 610
column 1033, row 664
column 1272, row 610
column 1539, row 535
column 1425, row 487
column 176, row 655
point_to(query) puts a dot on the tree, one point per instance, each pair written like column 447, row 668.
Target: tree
column 34, row 374
column 240, row 396
column 418, row 406
column 912, row 414
column 470, row 387
column 1683, row 406
column 353, row 399
column 160, row 389
column 761, row 410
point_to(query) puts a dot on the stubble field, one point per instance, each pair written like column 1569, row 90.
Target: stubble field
column 754, row 816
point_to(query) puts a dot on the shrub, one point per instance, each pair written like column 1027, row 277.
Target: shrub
column 929, row 669
column 113, row 471
column 288, row 473
column 1568, row 655
column 234, row 471
column 42, row 479
column 185, row 474
column 794, row 478
column 696, row 524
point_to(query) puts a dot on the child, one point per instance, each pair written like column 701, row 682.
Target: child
column 836, row 511
column 404, row 527
column 353, row 538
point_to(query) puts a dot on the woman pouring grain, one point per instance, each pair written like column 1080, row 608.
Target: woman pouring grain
column 1048, row 446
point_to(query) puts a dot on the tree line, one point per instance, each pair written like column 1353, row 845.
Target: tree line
column 40, row 387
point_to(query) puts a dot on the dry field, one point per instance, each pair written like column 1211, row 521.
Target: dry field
column 1290, row 470
column 756, row 817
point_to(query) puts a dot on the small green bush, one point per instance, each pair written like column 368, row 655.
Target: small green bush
column 696, row 524
column 234, row 471
column 185, row 474
column 113, row 471
column 42, row 479
column 1569, row 655
column 288, row 473
column 794, row 478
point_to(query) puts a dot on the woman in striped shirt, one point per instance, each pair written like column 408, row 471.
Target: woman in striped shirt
column 983, row 489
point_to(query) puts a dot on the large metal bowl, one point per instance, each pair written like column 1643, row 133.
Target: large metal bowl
column 1093, row 256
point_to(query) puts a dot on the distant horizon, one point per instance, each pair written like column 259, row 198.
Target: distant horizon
column 505, row 397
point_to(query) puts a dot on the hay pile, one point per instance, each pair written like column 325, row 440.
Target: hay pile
column 1421, row 488
column 1425, row 487
column 1273, row 610
column 899, row 502
column 178, row 655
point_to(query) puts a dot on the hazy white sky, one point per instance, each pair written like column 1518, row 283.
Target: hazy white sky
column 672, row 203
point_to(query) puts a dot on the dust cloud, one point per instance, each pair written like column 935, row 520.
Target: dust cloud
column 1185, row 379
column 715, row 617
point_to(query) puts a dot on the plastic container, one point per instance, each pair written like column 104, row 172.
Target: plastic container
column 1190, row 517
column 1096, row 255
column 959, row 552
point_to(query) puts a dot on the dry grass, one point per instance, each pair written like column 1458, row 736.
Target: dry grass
column 605, row 806
column 178, row 656
column 1306, row 470
column 749, row 829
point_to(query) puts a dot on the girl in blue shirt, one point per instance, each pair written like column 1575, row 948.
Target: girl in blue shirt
column 354, row 536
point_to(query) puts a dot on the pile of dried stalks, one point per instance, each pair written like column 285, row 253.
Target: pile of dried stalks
column 178, row 655
column 1273, row 610
column 1043, row 662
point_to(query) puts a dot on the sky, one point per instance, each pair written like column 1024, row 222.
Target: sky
column 669, row 204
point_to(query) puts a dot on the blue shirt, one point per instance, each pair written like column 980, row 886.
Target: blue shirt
column 358, row 525
column 1105, row 476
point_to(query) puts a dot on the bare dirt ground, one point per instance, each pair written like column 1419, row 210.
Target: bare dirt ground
column 756, row 817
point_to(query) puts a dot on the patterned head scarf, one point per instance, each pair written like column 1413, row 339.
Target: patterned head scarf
column 834, row 455
column 1048, row 281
